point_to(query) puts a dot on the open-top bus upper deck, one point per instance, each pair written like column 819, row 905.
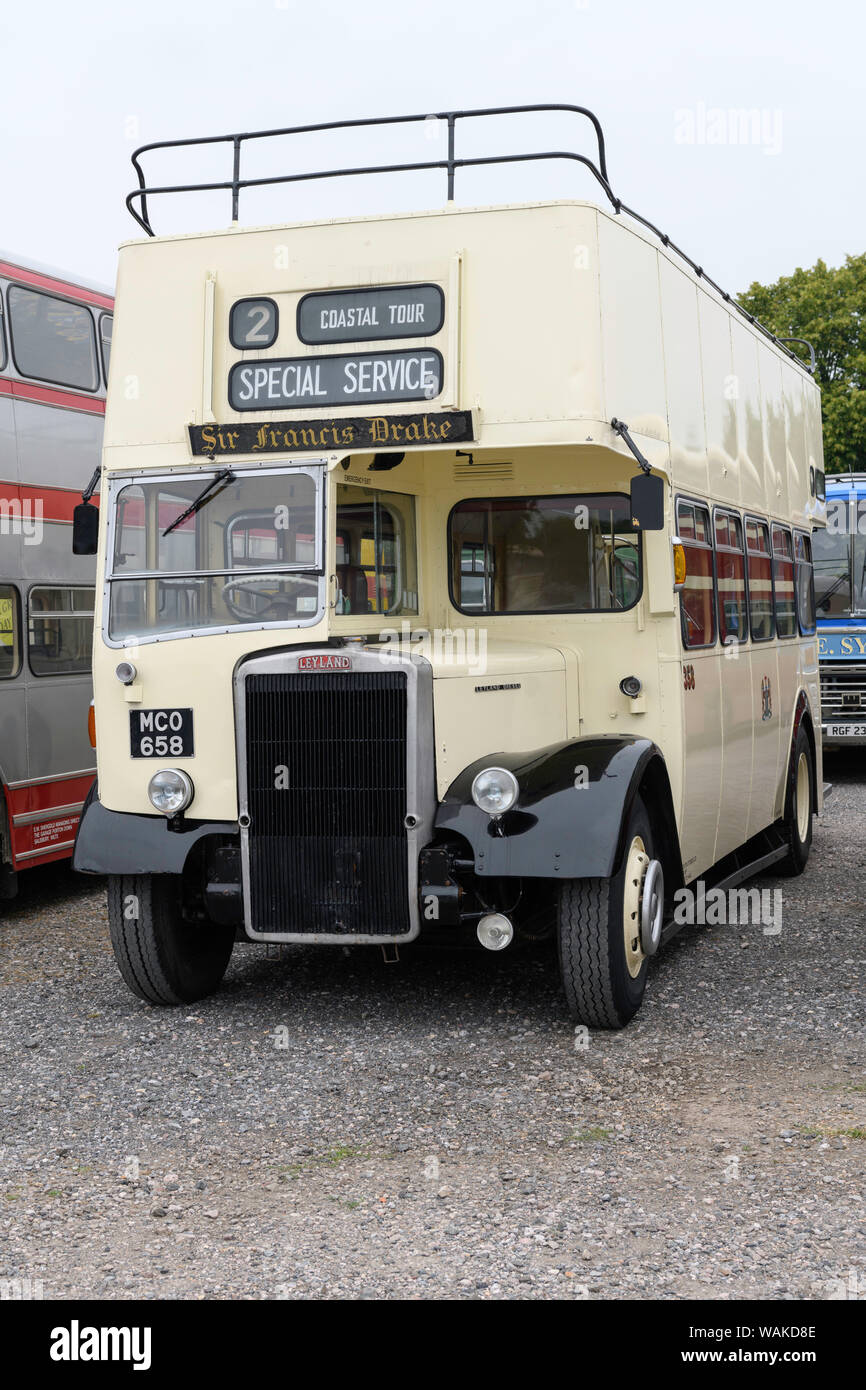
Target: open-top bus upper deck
column 544, row 322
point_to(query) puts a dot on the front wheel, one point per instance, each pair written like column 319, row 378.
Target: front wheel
column 163, row 957
column 602, row 963
column 799, row 797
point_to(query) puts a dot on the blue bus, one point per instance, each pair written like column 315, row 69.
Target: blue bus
column 839, row 555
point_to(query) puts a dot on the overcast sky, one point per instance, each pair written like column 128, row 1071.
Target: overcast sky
column 85, row 81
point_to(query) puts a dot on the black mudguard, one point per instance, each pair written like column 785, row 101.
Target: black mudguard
column 569, row 817
column 118, row 842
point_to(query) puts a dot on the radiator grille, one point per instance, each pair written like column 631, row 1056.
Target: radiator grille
column 843, row 691
column 326, row 779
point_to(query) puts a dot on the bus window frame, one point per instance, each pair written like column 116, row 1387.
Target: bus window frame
column 807, row 536
column 60, row 613
column 732, row 550
column 63, row 299
column 539, row 612
column 17, row 631
column 789, row 529
column 107, row 314
column 317, row 470
column 698, row 545
column 767, row 524
column 3, row 353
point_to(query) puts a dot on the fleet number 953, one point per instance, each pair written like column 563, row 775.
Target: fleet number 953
column 161, row 733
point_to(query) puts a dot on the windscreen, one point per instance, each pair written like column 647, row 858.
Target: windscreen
column 831, row 555
column 249, row 552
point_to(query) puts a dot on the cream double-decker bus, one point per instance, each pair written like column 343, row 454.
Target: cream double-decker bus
column 454, row 578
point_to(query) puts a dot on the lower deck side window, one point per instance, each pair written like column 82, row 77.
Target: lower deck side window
column 763, row 622
column 697, row 598
column 10, row 628
column 783, row 582
column 731, row 578
column 804, row 582
column 60, row 630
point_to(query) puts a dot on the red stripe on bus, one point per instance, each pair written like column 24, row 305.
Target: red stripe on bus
column 58, row 503
column 53, row 395
column 40, row 796
column 43, row 835
column 51, row 282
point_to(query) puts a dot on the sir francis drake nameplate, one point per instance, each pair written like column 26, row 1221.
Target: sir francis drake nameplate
column 358, row 433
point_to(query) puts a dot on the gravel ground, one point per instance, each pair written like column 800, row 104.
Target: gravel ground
column 336, row 1127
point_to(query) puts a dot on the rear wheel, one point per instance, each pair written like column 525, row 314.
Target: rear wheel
column 163, row 957
column 799, row 797
column 602, row 963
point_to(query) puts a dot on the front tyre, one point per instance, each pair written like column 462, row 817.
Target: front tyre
column 163, row 957
column 602, row 965
column 799, row 798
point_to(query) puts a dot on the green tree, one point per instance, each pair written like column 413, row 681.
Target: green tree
column 828, row 307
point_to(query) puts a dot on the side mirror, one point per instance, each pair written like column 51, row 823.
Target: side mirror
column 647, row 502
column 85, row 529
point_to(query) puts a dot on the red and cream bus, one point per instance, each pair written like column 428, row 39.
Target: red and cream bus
column 55, row 342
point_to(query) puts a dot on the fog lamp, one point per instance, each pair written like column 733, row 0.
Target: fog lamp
column 494, row 932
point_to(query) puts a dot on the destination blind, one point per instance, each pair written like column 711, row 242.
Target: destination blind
column 348, row 379
column 382, row 311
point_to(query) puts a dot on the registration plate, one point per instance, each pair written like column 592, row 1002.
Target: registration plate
column 846, row 731
column 160, row 733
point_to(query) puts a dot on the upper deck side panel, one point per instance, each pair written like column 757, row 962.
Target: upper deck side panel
column 744, row 420
column 631, row 330
column 684, row 382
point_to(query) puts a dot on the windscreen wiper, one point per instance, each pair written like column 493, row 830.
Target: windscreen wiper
column 206, row 495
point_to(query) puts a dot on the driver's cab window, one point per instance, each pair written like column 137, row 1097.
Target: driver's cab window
column 375, row 561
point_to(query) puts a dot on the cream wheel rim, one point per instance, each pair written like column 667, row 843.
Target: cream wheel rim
column 803, row 798
column 636, row 866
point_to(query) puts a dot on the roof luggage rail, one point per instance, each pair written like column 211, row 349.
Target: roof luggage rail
column 137, row 200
